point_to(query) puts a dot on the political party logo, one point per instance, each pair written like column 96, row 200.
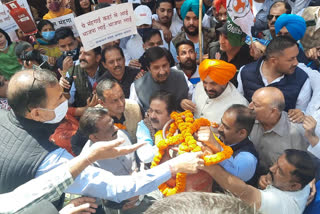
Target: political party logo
column 238, row 8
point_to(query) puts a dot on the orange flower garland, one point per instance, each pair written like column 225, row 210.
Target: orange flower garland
column 188, row 126
column 120, row 126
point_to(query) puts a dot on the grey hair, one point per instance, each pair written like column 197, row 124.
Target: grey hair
column 201, row 203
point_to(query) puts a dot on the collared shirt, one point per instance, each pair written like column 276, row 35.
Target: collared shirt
column 261, row 16
column 134, row 96
column 123, row 165
column 304, row 96
column 126, row 81
column 272, row 143
column 121, row 120
column 134, row 47
column 147, row 152
column 102, row 184
column 274, row 200
column 213, row 109
column 48, row 187
column 73, row 89
column 243, row 165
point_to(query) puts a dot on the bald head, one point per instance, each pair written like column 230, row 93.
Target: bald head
column 27, row 90
column 271, row 96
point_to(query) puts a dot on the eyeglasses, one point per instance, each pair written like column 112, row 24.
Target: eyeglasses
column 270, row 17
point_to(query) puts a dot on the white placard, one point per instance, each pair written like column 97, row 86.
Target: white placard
column 105, row 25
column 65, row 21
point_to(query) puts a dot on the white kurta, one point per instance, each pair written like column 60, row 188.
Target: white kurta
column 213, row 109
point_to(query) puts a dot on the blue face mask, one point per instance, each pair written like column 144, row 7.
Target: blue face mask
column 48, row 35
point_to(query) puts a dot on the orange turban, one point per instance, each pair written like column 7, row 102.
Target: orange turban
column 218, row 70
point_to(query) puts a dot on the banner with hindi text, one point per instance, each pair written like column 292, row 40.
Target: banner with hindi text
column 105, row 25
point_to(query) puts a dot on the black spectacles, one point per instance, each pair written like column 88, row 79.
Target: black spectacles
column 270, row 17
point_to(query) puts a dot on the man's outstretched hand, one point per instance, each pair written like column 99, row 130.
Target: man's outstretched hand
column 109, row 150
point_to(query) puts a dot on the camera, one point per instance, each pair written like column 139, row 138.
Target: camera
column 72, row 53
column 36, row 56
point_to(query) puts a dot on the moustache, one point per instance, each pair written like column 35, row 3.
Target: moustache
column 117, row 67
column 221, row 133
column 189, row 61
column 83, row 60
column 211, row 91
column 154, row 120
column 162, row 75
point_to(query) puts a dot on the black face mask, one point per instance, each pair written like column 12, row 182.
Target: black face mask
column 142, row 31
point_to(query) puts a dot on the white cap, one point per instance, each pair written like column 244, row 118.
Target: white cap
column 143, row 15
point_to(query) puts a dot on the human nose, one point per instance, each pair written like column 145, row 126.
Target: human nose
column 81, row 56
column 220, row 128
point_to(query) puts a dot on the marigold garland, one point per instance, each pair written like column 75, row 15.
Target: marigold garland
column 188, row 126
column 120, row 126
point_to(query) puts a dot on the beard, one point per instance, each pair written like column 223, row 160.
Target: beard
column 191, row 33
column 190, row 65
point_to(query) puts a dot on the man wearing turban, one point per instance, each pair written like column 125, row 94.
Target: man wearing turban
column 214, row 94
column 292, row 25
column 216, row 15
column 190, row 16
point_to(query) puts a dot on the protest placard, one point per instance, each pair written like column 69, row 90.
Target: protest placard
column 65, row 21
column 105, row 25
column 6, row 21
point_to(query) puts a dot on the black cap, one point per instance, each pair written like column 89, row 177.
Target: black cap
column 223, row 29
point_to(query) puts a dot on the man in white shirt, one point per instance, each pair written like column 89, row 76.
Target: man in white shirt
column 286, row 185
column 134, row 46
column 38, row 103
column 214, row 94
column 166, row 20
column 280, row 69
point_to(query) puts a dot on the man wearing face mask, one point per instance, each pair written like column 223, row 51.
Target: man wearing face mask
column 38, row 104
column 55, row 9
column 134, row 47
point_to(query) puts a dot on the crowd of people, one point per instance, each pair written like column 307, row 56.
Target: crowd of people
column 85, row 122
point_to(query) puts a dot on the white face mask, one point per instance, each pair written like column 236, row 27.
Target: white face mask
column 60, row 112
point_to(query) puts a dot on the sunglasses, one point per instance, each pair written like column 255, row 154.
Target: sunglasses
column 270, row 17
